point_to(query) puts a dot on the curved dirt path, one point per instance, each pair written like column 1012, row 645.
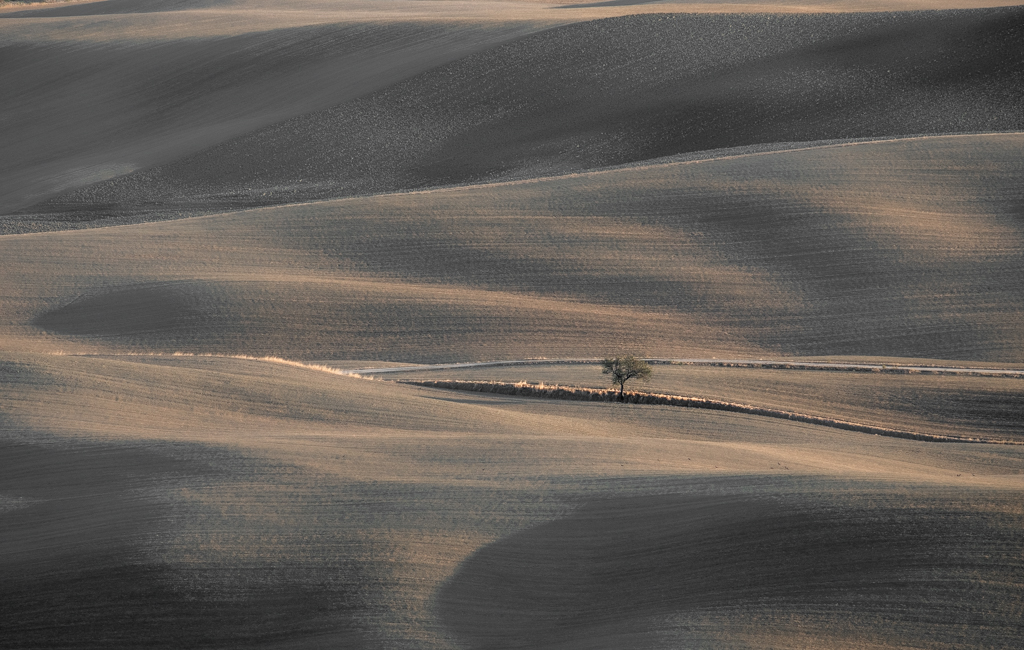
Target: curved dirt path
column 673, row 400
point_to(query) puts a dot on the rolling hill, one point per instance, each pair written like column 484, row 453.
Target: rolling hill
column 158, row 502
column 904, row 248
column 189, row 185
column 599, row 93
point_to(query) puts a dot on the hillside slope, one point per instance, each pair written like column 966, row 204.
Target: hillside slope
column 202, row 500
column 900, row 248
column 91, row 97
column 607, row 92
column 235, row 504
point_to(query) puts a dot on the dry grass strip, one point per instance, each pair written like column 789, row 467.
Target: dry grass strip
column 523, row 389
column 888, row 369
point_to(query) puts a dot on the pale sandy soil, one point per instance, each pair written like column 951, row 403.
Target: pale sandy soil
column 209, row 502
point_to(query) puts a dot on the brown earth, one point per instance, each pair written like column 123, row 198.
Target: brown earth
column 985, row 408
column 199, row 501
column 567, row 99
column 905, row 248
column 273, row 506
column 227, row 503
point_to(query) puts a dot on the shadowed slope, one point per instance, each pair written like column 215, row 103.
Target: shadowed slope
column 669, row 572
column 905, row 248
column 348, row 318
column 84, row 107
column 114, row 7
column 609, row 92
column 79, row 551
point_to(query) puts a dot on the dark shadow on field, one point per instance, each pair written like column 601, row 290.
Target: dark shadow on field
column 321, row 321
column 100, row 601
column 113, row 7
column 610, row 3
column 145, row 309
column 78, row 527
column 933, row 572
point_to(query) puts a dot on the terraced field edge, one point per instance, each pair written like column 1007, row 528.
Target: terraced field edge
column 575, row 393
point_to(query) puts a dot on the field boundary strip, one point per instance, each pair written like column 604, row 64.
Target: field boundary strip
column 575, row 393
column 898, row 369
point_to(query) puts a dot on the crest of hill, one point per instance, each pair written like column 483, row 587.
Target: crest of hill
column 607, row 92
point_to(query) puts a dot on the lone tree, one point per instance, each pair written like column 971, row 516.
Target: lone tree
column 622, row 369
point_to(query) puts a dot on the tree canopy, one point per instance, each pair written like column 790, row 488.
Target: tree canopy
column 622, row 369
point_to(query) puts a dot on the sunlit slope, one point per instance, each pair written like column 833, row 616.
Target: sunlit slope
column 905, row 248
column 188, row 501
column 602, row 93
column 88, row 98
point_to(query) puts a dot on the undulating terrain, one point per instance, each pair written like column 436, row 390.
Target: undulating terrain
column 214, row 213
